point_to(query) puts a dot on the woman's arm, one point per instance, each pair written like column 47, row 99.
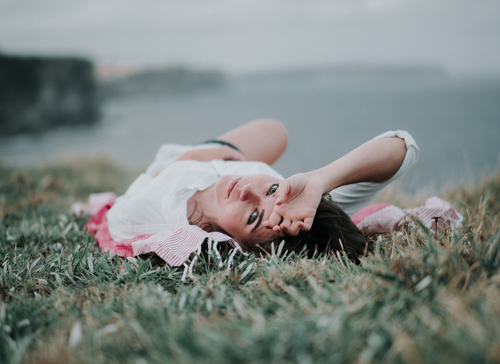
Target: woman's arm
column 260, row 140
column 374, row 161
column 298, row 196
column 224, row 153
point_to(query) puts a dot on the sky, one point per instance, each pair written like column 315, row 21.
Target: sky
column 255, row 35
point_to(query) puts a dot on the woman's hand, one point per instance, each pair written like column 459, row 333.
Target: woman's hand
column 297, row 200
column 206, row 155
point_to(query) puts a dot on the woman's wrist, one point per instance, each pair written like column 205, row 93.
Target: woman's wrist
column 323, row 178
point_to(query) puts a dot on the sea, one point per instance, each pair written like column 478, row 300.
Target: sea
column 454, row 120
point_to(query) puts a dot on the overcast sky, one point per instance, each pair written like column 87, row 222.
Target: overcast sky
column 247, row 36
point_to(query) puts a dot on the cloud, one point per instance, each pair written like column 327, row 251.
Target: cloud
column 248, row 35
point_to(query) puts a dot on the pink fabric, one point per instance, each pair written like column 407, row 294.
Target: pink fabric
column 176, row 245
column 367, row 211
column 173, row 245
column 382, row 221
column 98, row 226
column 436, row 213
column 391, row 217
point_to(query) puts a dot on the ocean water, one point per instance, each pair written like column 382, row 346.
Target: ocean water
column 456, row 123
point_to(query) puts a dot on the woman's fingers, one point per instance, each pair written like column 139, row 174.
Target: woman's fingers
column 278, row 232
column 282, row 192
column 290, row 231
column 306, row 225
column 287, row 227
column 295, row 228
column 274, row 220
column 286, row 223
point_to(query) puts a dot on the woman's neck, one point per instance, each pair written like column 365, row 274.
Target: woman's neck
column 201, row 209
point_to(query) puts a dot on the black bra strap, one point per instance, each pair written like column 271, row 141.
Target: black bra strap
column 222, row 142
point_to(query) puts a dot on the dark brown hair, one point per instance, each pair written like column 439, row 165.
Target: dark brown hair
column 332, row 231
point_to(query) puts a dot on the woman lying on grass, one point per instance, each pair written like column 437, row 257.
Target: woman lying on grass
column 227, row 185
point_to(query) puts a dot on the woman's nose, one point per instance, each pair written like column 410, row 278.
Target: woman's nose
column 248, row 193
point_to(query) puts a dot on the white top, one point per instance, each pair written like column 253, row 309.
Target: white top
column 151, row 204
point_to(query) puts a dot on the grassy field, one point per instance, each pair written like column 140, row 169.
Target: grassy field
column 420, row 298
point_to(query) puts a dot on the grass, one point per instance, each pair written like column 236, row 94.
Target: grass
column 421, row 297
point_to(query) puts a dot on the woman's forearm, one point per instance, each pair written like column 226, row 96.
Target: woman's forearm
column 259, row 140
column 374, row 161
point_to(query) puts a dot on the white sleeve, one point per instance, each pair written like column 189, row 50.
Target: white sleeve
column 352, row 198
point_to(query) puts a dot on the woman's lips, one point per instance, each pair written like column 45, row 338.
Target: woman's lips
column 231, row 186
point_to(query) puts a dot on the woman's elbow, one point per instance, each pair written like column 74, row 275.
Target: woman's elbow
column 278, row 130
column 397, row 155
column 399, row 148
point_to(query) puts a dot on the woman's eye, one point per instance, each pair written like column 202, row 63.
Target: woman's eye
column 252, row 217
column 273, row 189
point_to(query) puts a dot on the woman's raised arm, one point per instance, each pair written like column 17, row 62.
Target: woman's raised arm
column 298, row 196
column 377, row 160
column 259, row 140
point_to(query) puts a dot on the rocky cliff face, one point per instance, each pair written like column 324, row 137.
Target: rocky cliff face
column 37, row 93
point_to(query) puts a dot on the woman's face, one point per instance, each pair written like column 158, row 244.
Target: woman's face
column 243, row 203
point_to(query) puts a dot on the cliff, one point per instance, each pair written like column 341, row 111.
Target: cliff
column 37, row 93
column 168, row 80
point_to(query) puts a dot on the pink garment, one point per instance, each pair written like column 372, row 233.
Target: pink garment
column 173, row 245
column 98, row 226
column 383, row 219
column 367, row 211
